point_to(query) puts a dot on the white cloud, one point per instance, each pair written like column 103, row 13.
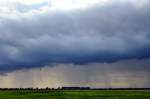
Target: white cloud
column 74, row 4
column 24, row 6
column 15, row 8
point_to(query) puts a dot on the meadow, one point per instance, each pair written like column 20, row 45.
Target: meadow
column 75, row 94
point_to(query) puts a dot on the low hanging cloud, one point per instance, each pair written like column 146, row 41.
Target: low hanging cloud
column 100, row 33
column 121, row 74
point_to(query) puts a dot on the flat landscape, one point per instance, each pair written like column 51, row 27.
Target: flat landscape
column 75, row 94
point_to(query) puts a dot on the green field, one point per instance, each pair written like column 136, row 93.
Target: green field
column 75, row 94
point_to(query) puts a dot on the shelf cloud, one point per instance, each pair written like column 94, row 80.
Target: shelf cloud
column 41, row 33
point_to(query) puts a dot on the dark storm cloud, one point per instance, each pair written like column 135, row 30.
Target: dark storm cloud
column 121, row 74
column 108, row 33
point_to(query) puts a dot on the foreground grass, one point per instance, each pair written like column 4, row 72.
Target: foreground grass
column 75, row 94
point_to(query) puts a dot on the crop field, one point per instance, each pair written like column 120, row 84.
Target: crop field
column 75, row 94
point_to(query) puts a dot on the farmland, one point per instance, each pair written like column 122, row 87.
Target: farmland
column 75, row 94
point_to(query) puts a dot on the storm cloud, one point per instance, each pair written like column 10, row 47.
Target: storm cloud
column 110, row 32
column 121, row 74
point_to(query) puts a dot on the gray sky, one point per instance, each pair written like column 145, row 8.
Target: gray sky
column 37, row 33
column 126, row 74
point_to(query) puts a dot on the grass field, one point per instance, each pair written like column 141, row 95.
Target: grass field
column 75, row 94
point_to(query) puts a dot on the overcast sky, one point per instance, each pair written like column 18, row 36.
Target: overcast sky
column 126, row 74
column 37, row 33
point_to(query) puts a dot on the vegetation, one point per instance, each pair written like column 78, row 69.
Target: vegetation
column 74, row 94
